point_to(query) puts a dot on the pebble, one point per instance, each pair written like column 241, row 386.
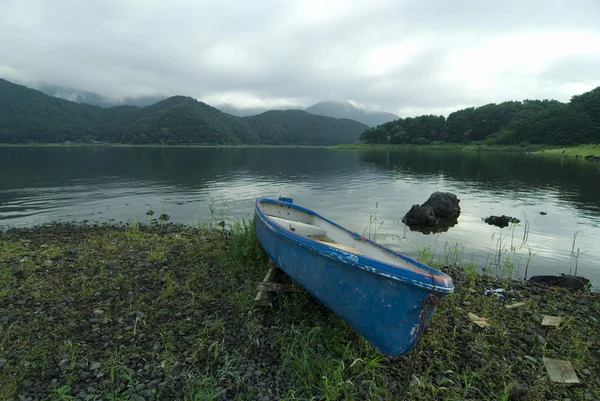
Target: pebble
column 586, row 372
column 97, row 294
column 531, row 359
column 98, row 312
column 541, row 339
column 516, row 391
column 95, row 366
column 63, row 363
column 2, row 362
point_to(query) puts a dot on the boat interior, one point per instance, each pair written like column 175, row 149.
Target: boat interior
column 320, row 230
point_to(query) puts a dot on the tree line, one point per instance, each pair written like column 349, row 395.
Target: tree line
column 509, row 123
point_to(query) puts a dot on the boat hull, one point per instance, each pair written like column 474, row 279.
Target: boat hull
column 389, row 313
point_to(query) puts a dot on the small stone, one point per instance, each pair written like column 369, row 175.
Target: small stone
column 516, row 391
column 97, row 294
column 95, row 366
column 531, row 359
column 98, row 312
column 541, row 339
column 586, row 372
column 3, row 362
column 536, row 318
column 63, row 363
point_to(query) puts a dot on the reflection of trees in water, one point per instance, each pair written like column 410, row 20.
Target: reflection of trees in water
column 176, row 166
column 526, row 175
column 186, row 168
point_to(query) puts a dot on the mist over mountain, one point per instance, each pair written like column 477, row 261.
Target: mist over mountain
column 348, row 110
column 328, row 109
column 95, row 99
column 241, row 112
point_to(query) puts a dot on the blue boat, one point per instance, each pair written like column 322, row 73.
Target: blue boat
column 386, row 296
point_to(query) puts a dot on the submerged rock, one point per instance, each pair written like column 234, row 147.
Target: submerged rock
column 592, row 158
column 501, row 221
column 438, row 213
column 573, row 283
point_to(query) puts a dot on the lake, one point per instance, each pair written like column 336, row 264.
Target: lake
column 352, row 187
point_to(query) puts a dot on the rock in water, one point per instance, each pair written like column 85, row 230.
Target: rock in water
column 442, row 208
column 420, row 216
column 501, row 221
column 592, row 158
column 444, row 204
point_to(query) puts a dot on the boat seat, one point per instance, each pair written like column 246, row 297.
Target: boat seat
column 298, row 227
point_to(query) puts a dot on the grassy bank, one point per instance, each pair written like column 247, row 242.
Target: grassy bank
column 582, row 150
column 165, row 312
column 472, row 147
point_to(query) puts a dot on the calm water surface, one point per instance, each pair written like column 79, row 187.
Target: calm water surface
column 39, row 185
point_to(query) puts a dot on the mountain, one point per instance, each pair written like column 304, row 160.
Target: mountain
column 347, row 110
column 302, row 128
column 95, row 99
column 31, row 116
column 547, row 122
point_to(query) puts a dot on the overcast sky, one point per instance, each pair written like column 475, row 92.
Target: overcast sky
column 409, row 57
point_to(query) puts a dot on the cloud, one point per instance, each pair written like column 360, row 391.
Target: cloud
column 408, row 57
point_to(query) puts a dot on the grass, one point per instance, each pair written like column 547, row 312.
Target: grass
column 581, row 150
column 547, row 150
column 177, row 322
column 471, row 147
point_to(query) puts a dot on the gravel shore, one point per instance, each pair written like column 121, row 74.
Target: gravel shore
column 165, row 312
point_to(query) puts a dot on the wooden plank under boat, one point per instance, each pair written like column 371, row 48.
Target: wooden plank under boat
column 386, row 296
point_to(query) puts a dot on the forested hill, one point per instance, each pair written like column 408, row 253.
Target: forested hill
column 509, row 123
column 30, row 116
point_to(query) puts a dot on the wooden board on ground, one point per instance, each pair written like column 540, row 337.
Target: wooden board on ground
column 561, row 371
column 552, row 321
column 479, row 321
column 515, row 305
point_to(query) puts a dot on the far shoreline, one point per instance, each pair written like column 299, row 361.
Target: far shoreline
column 540, row 150
column 547, row 150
